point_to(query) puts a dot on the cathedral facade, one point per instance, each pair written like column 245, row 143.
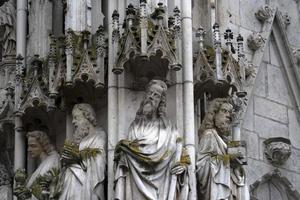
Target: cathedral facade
column 150, row 99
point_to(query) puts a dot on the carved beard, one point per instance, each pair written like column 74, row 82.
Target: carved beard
column 148, row 109
column 81, row 132
column 222, row 124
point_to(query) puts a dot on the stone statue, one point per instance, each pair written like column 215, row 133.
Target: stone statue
column 151, row 161
column 220, row 175
column 78, row 16
column 39, row 147
column 7, row 27
column 84, row 158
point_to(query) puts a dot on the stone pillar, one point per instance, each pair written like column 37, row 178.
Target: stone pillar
column 112, row 131
column 78, row 16
column 20, row 151
column 40, row 27
column 21, row 27
column 188, row 90
column 20, row 147
column 97, row 15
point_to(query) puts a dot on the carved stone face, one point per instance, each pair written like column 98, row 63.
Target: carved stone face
column 152, row 100
column 81, row 125
column 223, row 119
column 34, row 147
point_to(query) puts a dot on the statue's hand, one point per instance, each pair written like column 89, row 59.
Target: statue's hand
column 70, row 154
column 22, row 192
column 178, row 168
column 237, row 155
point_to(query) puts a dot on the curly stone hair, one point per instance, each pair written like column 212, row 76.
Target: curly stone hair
column 87, row 112
column 162, row 107
column 43, row 139
column 213, row 108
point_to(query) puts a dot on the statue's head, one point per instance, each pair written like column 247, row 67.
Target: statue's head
column 218, row 116
column 38, row 143
column 154, row 103
column 84, row 118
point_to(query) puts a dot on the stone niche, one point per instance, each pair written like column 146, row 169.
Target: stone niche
column 273, row 186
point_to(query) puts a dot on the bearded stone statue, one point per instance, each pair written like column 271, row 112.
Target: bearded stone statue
column 84, row 158
column 39, row 147
column 7, row 27
column 150, row 164
column 220, row 175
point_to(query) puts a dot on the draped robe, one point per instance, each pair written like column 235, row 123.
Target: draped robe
column 79, row 184
column 216, row 179
column 50, row 162
column 144, row 161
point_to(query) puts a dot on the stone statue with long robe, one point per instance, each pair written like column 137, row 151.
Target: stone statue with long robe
column 219, row 176
column 84, row 177
column 8, row 28
column 39, row 146
column 146, row 161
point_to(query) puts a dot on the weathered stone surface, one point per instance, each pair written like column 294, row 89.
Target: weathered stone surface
column 294, row 129
column 256, row 169
column 245, row 33
column 274, row 54
column 248, row 19
column 267, row 128
column 262, row 156
column 266, row 57
column 293, row 177
column 292, row 7
column 293, row 163
column 248, row 121
column 260, row 81
column 252, row 144
column 270, row 109
column 277, row 86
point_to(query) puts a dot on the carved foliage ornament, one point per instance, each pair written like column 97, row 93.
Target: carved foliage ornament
column 286, row 19
column 255, row 41
column 264, row 13
column 296, row 53
column 277, row 150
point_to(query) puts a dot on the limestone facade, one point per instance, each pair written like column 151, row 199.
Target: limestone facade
column 104, row 53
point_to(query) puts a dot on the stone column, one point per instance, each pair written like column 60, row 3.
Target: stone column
column 20, row 147
column 112, row 131
column 188, row 90
column 97, row 15
column 78, row 16
column 40, row 27
column 20, row 151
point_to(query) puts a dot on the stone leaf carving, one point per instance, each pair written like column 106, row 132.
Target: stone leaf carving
column 277, row 150
column 255, row 41
column 296, row 53
column 263, row 13
column 286, row 19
